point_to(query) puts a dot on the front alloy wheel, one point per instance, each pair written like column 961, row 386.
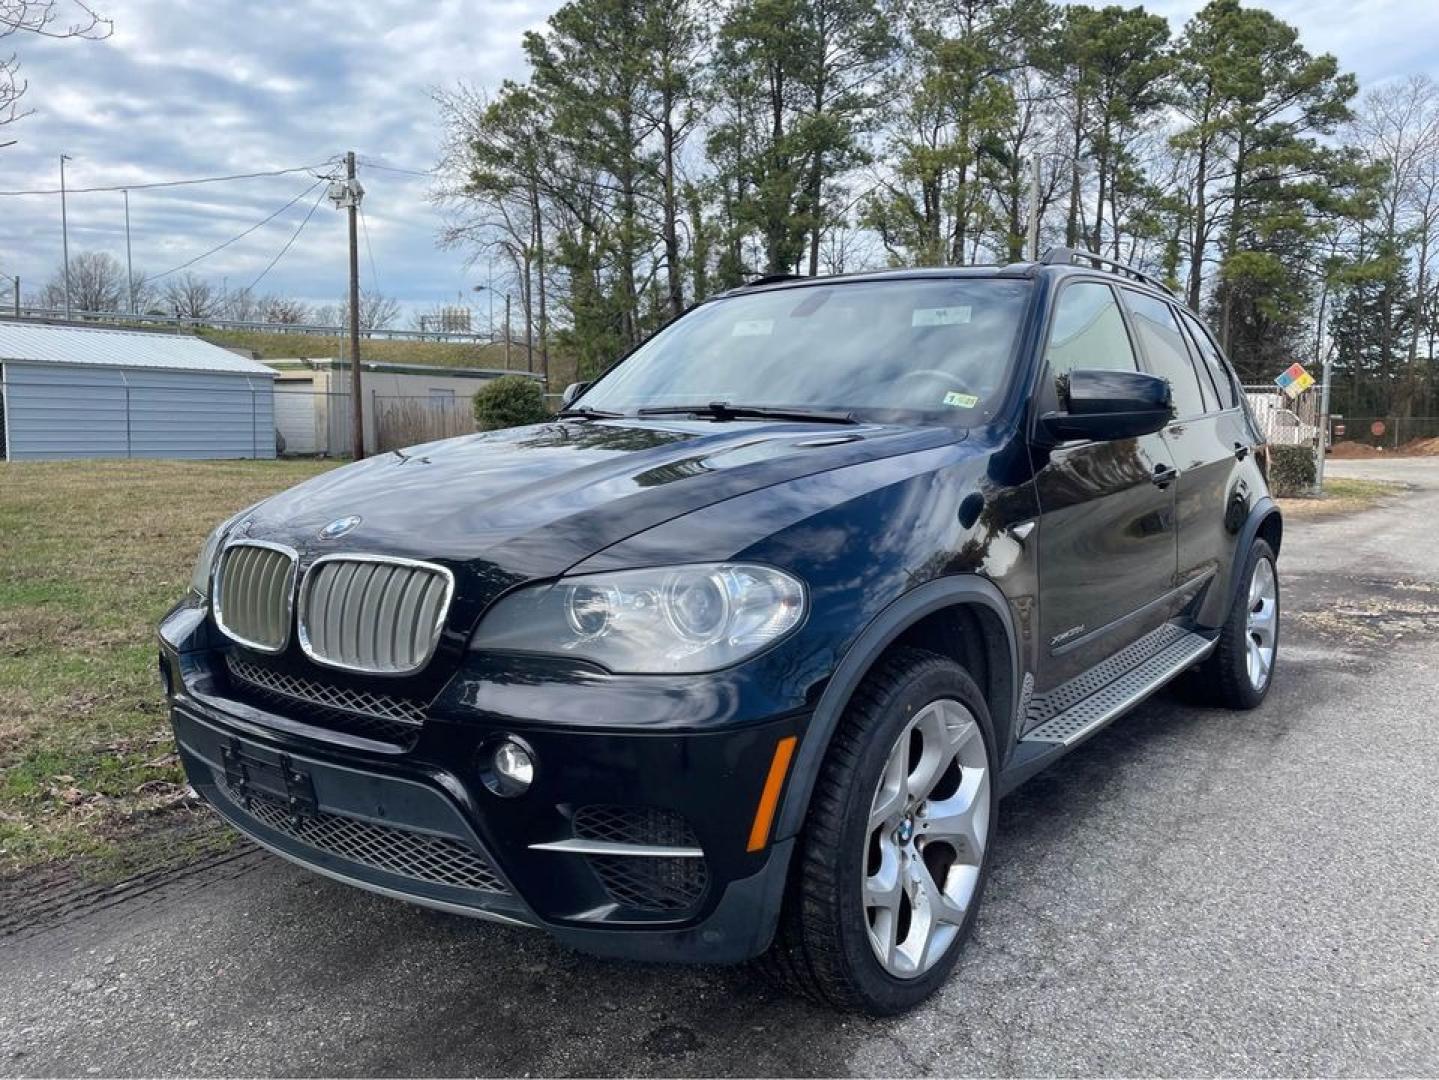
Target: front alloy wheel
column 892, row 860
column 928, row 828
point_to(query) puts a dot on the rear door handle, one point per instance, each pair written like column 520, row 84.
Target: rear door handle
column 1163, row 475
column 1241, row 451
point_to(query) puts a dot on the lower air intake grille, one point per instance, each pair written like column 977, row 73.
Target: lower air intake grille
column 435, row 859
column 649, row 883
column 634, row 825
column 354, row 711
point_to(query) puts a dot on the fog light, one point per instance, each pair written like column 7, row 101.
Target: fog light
column 508, row 768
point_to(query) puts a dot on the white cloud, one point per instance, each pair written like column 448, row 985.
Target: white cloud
column 198, row 88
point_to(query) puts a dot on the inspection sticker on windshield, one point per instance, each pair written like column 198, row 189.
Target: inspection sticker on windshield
column 940, row 316
column 753, row 328
column 961, row 401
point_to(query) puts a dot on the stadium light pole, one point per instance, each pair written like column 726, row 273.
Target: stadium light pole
column 64, row 234
column 129, row 268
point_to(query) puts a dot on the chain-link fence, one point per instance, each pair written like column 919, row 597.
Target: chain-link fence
column 1385, row 432
column 1286, row 421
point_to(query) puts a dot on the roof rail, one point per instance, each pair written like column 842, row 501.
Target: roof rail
column 1063, row 256
column 770, row 279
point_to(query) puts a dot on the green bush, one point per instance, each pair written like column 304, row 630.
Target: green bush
column 509, row 401
column 1291, row 470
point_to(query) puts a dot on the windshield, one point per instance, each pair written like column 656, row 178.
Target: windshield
column 941, row 346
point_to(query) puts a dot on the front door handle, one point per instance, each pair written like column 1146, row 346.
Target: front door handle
column 1163, row 475
column 1241, row 451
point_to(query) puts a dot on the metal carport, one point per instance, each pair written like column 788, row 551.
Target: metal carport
column 85, row 392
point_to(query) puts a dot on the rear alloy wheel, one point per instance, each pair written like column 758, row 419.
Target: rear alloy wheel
column 928, row 829
column 1240, row 670
column 1262, row 624
column 891, row 864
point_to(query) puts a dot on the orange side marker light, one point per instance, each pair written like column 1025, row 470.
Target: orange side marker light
column 769, row 798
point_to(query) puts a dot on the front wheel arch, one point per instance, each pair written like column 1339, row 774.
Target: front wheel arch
column 906, row 616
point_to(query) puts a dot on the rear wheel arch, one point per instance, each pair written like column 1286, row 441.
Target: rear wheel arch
column 1271, row 529
column 964, row 618
column 1263, row 523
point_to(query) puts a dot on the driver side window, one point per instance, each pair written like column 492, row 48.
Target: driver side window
column 1087, row 332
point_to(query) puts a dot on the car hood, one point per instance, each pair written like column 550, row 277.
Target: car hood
column 530, row 502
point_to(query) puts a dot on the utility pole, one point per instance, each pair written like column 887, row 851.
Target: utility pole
column 1033, row 239
column 65, row 234
column 347, row 195
column 17, row 296
column 1323, row 421
column 129, row 269
column 507, row 331
column 491, row 286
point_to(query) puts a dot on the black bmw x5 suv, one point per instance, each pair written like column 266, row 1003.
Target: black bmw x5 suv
column 737, row 654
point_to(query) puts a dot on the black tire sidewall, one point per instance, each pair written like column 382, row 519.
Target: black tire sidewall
column 1238, row 628
column 882, row 992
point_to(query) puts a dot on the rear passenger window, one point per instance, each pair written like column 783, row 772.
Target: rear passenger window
column 1088, row 332
column 1163, row 344
column 1213, row 362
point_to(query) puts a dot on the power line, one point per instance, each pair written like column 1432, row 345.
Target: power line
column 172, row 183
column 371, row 163
column 365, row 228
column 293, row 237
column 239, row 236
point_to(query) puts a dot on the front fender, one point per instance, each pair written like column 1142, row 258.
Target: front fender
column 882, row 632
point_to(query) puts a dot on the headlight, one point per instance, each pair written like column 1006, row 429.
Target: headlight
column 675, row 619
column 200, row 576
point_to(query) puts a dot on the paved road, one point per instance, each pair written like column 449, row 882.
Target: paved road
column 1191, row 892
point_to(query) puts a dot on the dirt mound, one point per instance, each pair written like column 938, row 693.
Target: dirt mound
column 1421, row 447
column 1350, row 448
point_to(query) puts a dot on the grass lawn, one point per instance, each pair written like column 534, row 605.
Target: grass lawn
column 92, row 553
column 1342, row 495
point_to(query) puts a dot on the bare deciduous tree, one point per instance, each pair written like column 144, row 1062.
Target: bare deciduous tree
column 42, row 18
column 97, row 283
column 191, row 297
column 286, row 310
column 377, row 310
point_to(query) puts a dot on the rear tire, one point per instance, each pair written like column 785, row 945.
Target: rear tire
column 1240, row 670
column 894, row 855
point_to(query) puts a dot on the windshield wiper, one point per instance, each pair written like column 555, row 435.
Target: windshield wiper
column 584, row 412
column 723, row 410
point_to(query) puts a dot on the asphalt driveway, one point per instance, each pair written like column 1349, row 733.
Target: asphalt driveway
column 1191, row 892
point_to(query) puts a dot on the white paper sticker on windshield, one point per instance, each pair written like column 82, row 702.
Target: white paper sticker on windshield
column 940, row 316
column 753, row 328
column 961, row 401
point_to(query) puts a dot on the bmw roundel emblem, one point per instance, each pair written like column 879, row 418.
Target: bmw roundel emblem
column 339, row 527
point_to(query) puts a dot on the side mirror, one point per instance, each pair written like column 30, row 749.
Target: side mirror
column 574, row 390
column 1106, row 405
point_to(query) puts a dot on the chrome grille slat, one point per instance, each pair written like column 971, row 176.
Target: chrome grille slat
column 254, row 594
column 373, row 614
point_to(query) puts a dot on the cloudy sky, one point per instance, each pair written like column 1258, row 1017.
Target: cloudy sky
column 189, row 88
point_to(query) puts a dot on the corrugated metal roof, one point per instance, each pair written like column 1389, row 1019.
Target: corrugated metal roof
column 48, row 344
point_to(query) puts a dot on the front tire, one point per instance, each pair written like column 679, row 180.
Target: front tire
column 895, row 852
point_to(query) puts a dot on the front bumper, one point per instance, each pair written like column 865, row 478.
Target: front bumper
column 420, row 825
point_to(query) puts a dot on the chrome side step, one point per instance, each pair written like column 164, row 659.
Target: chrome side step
column 1086, row 703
